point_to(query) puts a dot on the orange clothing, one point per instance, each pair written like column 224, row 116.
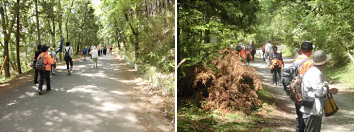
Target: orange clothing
column 47, row 60
column 274, row 62
column 305, row 66
column 242, row 53
column 248, row 52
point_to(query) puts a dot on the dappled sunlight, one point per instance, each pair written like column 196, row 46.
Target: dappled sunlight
column 118, row 92
column 109, row 106
column 81, row 89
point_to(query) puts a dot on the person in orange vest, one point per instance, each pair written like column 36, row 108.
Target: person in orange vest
column 248, row 55
column 276, row 65
column 45, row 73
column 305, row 63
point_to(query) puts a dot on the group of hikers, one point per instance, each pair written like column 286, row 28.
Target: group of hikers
column 303, row 81
column 44, row 61
column 247, row 52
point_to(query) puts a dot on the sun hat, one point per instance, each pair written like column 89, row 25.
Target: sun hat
column 320, row 57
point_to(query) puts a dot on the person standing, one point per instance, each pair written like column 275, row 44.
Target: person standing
column 314, row 87
column 94, row 54
column 35, row 56
column 276, row 65
column 253, row 50
column 268, row 49
column 306, row 63
column 45, row 73
column 68, row 52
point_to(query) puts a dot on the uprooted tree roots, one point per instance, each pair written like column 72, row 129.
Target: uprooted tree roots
column 230, row 86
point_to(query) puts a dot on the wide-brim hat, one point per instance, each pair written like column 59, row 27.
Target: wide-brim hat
column 320, row 57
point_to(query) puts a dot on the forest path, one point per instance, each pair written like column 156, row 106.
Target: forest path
column 283, row 118
column 89, row 100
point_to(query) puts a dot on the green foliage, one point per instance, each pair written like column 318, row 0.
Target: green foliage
column 343, row 74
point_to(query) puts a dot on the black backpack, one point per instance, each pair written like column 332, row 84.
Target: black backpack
column 40, row 63
column 67, row 55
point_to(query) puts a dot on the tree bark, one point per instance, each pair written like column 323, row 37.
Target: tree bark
column 7, row 36
column 37, row 20
column 60, row 27
column 18, row 37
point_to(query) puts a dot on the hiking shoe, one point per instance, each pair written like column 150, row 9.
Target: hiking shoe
column 49, row 89
column 35, row 82
column 40, row 92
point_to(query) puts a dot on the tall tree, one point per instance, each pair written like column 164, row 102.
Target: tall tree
column 18, row 37
column 37, row 20
column 7, row 30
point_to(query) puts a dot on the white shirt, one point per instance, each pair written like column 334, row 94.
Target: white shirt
column 94, row 53
column 313, row 85
column 70, row 51
column 268, row 47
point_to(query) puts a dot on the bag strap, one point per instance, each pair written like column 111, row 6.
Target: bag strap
column 302, row 61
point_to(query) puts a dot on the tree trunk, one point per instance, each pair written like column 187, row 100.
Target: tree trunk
column 53, row 23
column 18, row 37
column 37, row 20
column 6, row 40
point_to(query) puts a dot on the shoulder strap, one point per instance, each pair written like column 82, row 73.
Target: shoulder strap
column 302, row 61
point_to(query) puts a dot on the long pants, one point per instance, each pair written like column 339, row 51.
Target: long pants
column 276, row 74
column 44, row 75
column 36, row 75
column 95, row 62
column 53, row 67
column 253, row 55
column 300, row 124
column 71, row 63
column 313, row 123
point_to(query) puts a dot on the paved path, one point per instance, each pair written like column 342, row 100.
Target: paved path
column 342, row 121
column 89, row 100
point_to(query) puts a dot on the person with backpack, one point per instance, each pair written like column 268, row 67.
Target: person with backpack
column 84, row 53
column 54, row 56
column 253, row 52
column 104, row 50
column 276, row 65
column 35, row 56
column 68, row 52
column 315, row 88
column 94, row 54
column 43, row 64
column 292, row 77
column 248, row 55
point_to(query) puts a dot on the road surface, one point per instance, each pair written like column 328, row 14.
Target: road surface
column 89, row 100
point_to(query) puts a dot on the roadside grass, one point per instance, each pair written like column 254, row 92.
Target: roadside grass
column 192, row 118
column 343, row 74
column 288, row 52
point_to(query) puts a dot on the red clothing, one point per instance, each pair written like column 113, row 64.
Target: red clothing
column 47, row 60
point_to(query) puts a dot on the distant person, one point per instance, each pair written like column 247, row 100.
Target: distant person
column 54, row 56
column 68, row 52
column 248, row 55
column 231, row 46
column 45, row 73
column 253, row 50
column 297, row 53
column 268, row 49
column 314, row 87
column 84, row 52
column 263, row 51
column 104, row 50
column 110, row 49
column 99, row 50
column 94, row 54
column 276, row 65
column 35, row 56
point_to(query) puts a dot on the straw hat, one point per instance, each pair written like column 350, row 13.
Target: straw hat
column 320, row 57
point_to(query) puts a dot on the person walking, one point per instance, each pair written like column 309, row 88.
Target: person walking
column 45, row 73
column 84, row 52
column 263, row 51
column 94, row 54
column 54, row 56
column 306, row 63
column 313, row 86
column 248, row 55
column 68, row 52
column 276, row 65
column 35, row 56
column 253, row 50
column 268, row 49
